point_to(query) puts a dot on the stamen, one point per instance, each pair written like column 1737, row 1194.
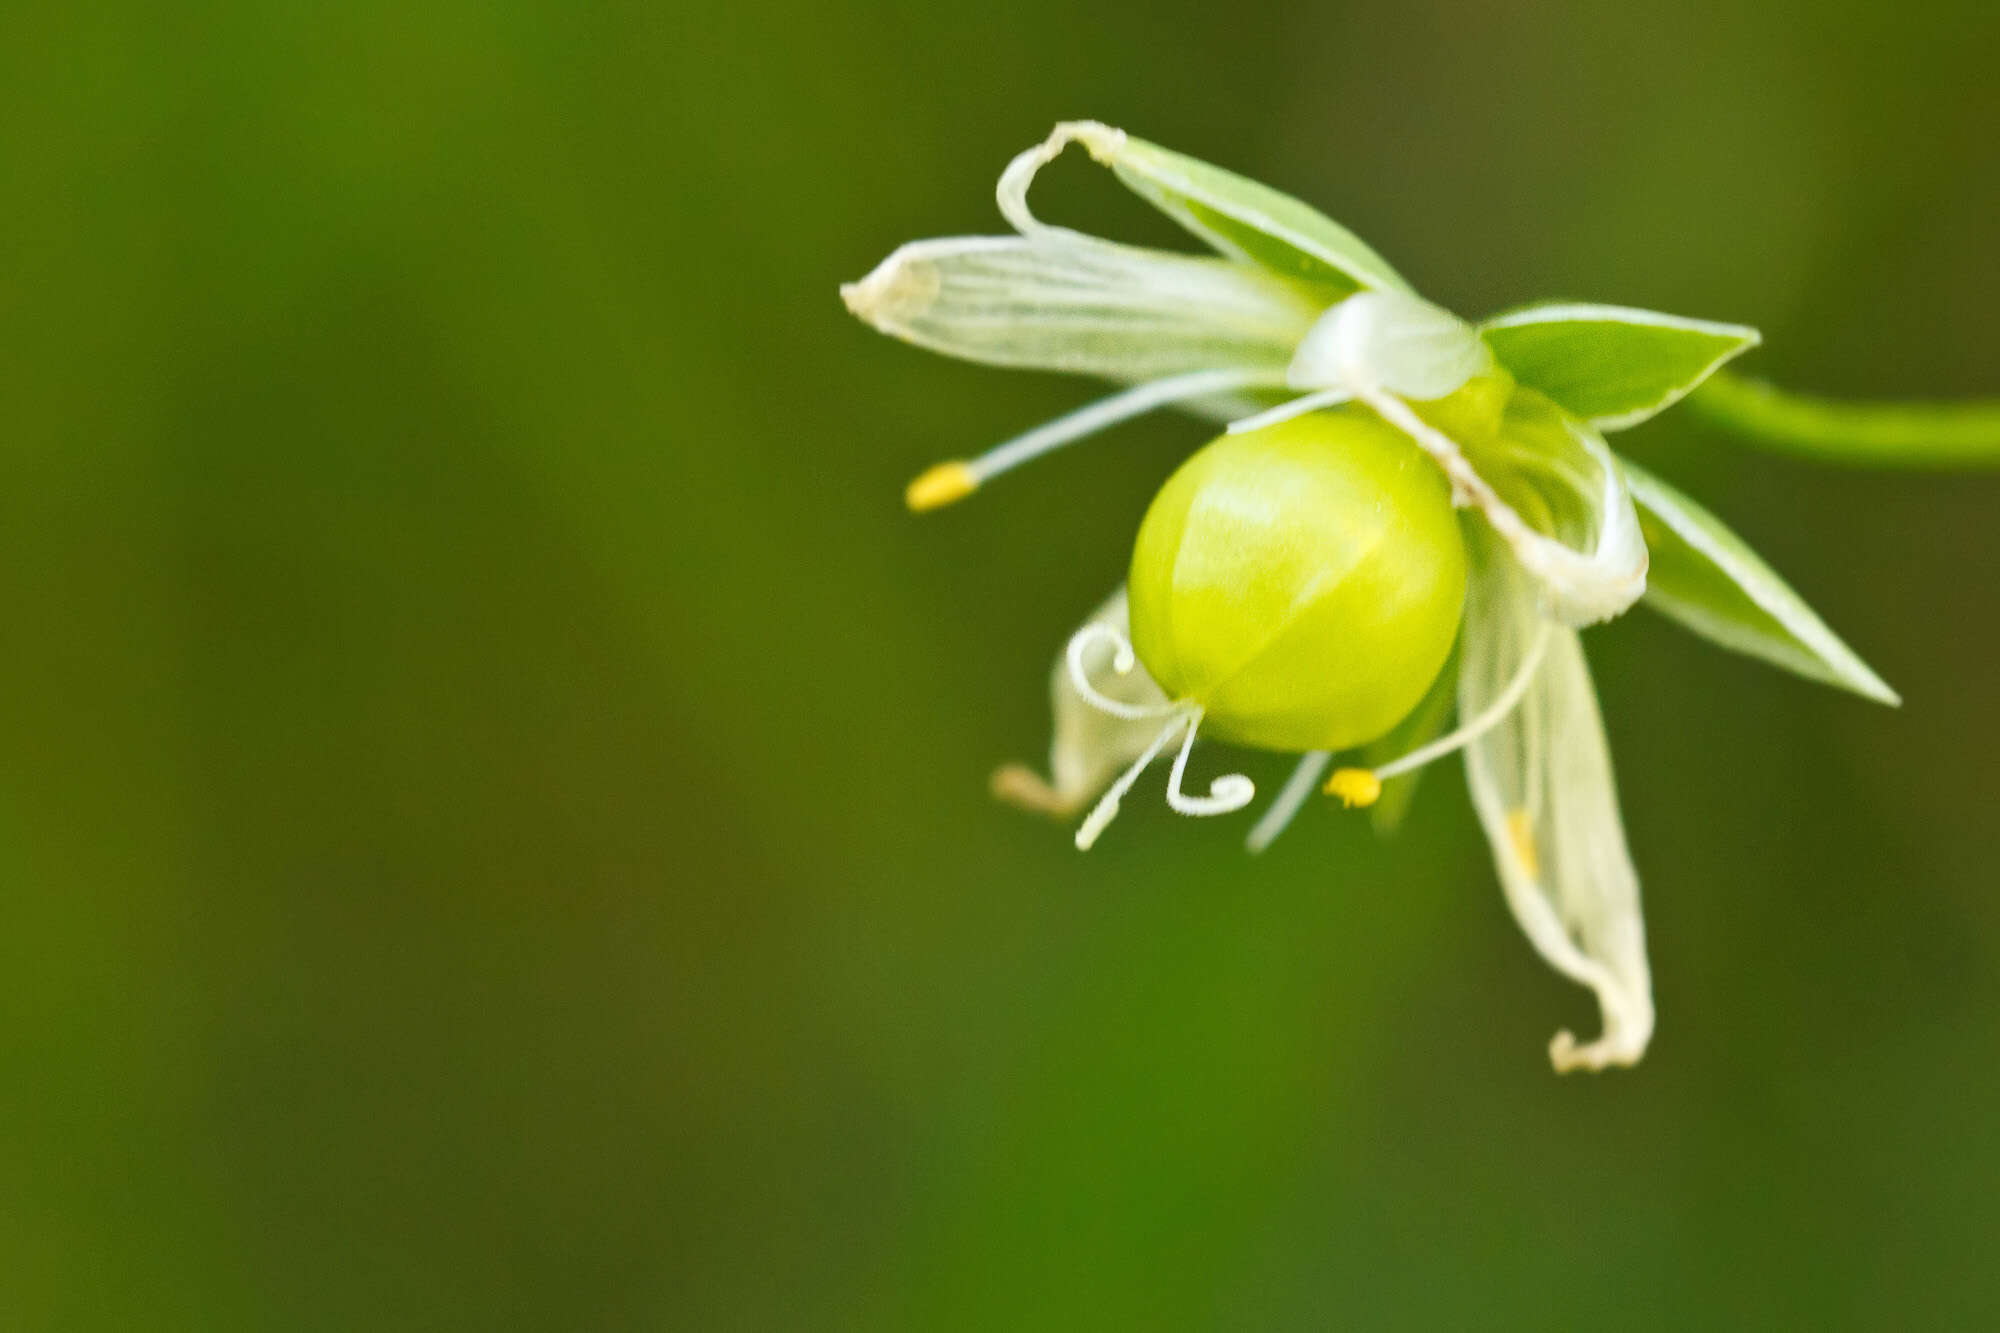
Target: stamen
column 1298, row 407
column 1297, row 790
column 947, row 483
column 1227, row 794
column 1361, row 786
column 1106, row 809
column 953, row 481
column 1123, row 659
column 1354, row 787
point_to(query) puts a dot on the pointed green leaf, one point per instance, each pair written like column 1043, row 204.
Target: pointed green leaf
column 1239, row 217
column 1612, row 366
column 1703, row 576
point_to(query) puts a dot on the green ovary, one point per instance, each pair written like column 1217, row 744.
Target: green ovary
column 1301, row 583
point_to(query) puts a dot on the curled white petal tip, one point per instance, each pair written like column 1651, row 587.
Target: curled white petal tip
column 1621, row 1049
column 1024, row 789
column 1101, row 141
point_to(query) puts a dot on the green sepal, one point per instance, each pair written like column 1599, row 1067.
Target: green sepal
column 1610, row 365
column 1245, row 219
column 1704, row 576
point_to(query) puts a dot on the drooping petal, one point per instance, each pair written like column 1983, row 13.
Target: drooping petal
column 1241, row 218
column 1611, row 365
column 1545, row 481
column 1090, row 746
column 1066, row 302
column 1542, row 784
column 1705, row 577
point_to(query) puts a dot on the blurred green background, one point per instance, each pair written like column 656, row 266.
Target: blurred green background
column 494, row 830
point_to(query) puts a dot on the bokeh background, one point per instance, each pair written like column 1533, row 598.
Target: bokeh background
column 493, row 829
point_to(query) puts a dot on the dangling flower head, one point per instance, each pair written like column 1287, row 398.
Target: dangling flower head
column 1409, row 516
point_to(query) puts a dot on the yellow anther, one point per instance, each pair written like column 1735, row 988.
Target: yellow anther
column 947, row 483
column 1354, row 786
column 1521, row 832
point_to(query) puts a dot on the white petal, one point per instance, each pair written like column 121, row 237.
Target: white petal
column 1090, row 747
column 1058, row 300
column 1543, row 787
column 1401, row 343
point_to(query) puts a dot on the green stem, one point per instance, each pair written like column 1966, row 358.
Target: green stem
column 1911, row 435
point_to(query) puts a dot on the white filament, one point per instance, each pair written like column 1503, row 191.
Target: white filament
column 1227, row 794
column 1106, row 809
column 1298, row 407
column 1489, row 717
column 1298, row 789
column 1123, row 659
column 1108, row 412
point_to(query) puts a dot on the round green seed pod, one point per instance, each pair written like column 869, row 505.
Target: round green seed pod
column 1301, row 583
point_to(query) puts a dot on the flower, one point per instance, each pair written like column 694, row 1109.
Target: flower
column 1327, row 594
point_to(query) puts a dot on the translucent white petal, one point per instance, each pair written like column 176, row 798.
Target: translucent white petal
column 1401, row 343
column 1543, row 787
column 1090, row 747
column 1058, row 300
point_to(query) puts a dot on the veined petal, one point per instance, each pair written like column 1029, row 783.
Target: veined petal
column 1541, row 782
column 1241, row 218
column 1091, row 746
column 1062, row 301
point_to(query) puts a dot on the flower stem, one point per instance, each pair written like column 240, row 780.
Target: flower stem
column 1878, row 434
